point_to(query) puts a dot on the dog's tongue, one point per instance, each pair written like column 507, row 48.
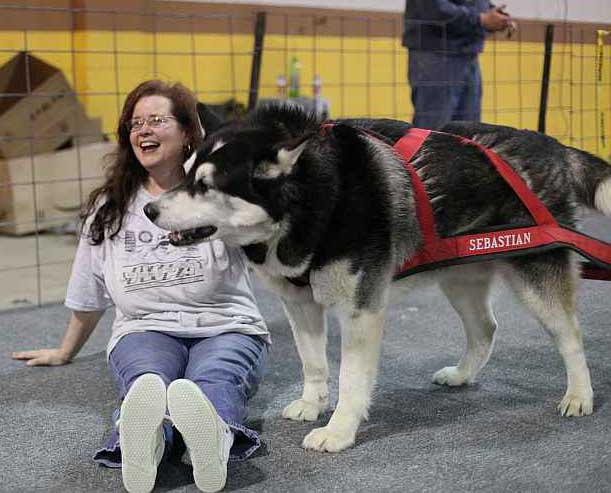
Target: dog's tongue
column 174, row 237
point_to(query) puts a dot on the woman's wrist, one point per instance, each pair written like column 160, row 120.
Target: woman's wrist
column 65, row 355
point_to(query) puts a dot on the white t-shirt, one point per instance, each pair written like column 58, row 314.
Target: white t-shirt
column 197, row 291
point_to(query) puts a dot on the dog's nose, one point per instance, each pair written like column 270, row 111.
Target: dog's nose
column 151, row 211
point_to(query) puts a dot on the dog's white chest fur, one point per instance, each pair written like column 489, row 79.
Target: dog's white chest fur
column 335, row 284
column 330, row 286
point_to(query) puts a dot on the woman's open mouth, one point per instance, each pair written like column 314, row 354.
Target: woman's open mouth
column 147, row 147
column 191, row 236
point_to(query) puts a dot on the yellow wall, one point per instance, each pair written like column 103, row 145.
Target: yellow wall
column 360, row 76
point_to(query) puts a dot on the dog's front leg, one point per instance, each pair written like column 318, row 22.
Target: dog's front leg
column 361, row 338
column 308, row 324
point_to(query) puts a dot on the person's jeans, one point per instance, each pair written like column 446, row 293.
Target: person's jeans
column 444, row 88
column 228, row 369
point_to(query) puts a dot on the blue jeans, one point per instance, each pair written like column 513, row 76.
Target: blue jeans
column 444, row 88
column 228, row 369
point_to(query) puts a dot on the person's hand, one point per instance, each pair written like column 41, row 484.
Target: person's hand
column 42, row 357
column 496, row 19
column 512, row 28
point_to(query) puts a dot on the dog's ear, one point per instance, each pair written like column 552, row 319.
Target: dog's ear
column 208, row 119
column 287, row 154
column 188, row 164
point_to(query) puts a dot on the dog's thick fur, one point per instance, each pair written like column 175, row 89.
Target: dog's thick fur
column 336, row 206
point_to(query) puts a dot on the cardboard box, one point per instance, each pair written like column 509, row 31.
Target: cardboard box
column 89, row 131
column 39, row 111
column 46, row 190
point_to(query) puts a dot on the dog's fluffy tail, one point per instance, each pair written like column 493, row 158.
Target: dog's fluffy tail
column 592, row 181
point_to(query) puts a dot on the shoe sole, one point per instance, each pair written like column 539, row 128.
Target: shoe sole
column 197, row 421
column 142, row 413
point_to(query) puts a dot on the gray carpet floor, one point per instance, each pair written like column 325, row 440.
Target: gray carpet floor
column 501, row 434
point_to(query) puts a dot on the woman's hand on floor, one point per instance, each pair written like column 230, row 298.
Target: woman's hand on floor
column 42, row 357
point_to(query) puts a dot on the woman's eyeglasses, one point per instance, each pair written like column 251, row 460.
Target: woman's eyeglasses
column 153, row 121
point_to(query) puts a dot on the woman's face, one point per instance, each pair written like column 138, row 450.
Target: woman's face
column 157, row 144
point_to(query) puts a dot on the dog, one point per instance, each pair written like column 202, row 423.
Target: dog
column 326, row 214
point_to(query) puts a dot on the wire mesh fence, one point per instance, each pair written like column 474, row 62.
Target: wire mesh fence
column 65, row 71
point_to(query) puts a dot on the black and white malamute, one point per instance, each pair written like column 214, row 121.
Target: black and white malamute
column 327, row 214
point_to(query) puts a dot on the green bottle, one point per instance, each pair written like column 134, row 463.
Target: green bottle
column 294, row 74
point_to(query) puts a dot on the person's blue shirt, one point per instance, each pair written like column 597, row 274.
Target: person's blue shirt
column 445, row 25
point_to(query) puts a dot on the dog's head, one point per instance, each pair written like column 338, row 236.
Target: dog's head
column 232, row 188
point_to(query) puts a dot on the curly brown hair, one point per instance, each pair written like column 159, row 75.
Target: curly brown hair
column 125, row 175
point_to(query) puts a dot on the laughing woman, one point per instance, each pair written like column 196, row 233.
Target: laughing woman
column 188, row 344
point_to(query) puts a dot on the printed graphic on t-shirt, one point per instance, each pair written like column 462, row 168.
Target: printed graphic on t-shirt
column 150, row 261
column 145, row 242
column 162, row 274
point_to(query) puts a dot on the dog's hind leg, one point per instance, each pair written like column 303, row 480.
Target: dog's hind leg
column 361, row 338
column 546, row 284
column 468, row 290
column 309, row 331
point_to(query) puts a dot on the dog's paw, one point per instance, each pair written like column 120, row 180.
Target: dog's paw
column 575, row 405
column 301, row 410
column 326, row 440
column 451, row 376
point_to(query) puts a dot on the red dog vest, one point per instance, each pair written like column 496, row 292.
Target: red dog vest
column 547, row 233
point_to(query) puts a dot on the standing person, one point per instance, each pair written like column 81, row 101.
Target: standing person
column 444, row 39
column 187, row 339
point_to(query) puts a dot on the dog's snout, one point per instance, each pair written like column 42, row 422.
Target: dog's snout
column 151, row 211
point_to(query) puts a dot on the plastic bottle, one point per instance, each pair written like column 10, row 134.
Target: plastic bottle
column 294, row 75
column 316, row 86
column 281, row 85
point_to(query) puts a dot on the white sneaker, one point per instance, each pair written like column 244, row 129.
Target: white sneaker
column 207, row 437
column 141, row 433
